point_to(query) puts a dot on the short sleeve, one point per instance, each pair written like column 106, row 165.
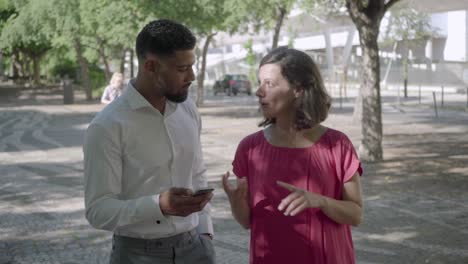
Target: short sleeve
column 106, row 94
column 350, row 163
column 240, row 162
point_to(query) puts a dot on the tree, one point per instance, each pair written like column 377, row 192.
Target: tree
column 251, row 60
column 93, row 31
column 28, row 32
column 326, row 14
column 367, row 16
column 407, row 25
column 6, row 11
column 69, row 33
column 111, row 27
column 259, row 14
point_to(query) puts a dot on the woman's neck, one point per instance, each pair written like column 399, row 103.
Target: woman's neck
column 288, row 136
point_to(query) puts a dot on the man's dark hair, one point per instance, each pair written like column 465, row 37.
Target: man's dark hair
column 302, row 74
column 164, row 37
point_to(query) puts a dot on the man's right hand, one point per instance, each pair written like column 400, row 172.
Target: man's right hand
column 180, row 202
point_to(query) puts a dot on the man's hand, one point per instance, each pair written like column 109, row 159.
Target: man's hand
column 180, row 202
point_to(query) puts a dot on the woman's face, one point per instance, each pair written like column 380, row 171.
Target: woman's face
column 117, row 81
column 275, row 94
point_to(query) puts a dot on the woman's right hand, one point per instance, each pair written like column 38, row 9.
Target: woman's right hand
column 235, row 193
column 239, row 199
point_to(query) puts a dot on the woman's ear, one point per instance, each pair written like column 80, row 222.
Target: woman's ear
column 298, row 92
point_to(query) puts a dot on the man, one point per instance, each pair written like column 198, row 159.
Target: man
column 143, row 159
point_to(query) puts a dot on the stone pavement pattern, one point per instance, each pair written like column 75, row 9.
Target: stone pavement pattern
column 416, row 203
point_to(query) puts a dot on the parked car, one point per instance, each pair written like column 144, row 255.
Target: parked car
column 233, row 84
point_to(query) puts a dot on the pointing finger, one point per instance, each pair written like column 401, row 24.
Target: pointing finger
column 288, row 186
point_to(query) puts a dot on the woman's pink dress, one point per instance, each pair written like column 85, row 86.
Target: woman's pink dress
column 309, row 237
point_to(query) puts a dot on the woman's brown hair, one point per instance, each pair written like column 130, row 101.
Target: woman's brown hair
column 302, row 73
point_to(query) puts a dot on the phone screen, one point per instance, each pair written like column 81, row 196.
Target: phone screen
column 203, row 191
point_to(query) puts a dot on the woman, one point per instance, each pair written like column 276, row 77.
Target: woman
column 298, row 186
column 114, row 89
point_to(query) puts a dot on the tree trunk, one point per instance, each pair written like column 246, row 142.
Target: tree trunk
column 405, row 83
column 405, row 76
column 371, row 143
column 2, row 73
column 122, row 61
column 201, row 74
column 367, row 18
column 330, row 56
column 16, row 69
column 102, row 54
column 27, row 66
column 279, row 23
column 84, row 69
column 36, row 59
column 132, row 69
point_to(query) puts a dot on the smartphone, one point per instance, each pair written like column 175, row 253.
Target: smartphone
column 203, row 191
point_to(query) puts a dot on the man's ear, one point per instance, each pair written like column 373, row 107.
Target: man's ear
column 151, row 65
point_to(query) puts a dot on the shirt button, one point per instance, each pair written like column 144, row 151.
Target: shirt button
column 158, row 222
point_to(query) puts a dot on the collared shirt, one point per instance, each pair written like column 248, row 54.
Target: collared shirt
column 132, row 153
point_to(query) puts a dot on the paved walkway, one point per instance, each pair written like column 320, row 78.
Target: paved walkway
column 416, row 201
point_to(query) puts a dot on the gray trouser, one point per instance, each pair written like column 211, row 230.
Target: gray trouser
column 188, row 247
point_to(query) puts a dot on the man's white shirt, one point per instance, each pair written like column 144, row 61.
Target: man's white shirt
column 132, row 153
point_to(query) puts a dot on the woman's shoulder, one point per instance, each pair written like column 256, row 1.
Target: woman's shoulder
column 335, row 134
column 336, row 138
column 333, row 137
column 252, row 139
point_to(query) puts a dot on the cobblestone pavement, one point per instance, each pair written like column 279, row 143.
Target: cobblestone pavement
column 416, row 203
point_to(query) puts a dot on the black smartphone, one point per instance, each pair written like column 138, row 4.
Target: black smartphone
column 203, row 191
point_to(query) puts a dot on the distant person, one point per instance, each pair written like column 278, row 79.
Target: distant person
column 143, row 158
column 298, row 186
column 114, row 89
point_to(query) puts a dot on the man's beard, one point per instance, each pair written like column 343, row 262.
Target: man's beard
column 176, row 98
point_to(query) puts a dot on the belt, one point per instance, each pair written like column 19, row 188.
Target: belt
column 166, row 242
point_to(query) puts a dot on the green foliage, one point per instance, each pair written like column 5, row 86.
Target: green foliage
column 251, row 60
column 5, row 4
column 65, row 68
column 324, row 9
column 98, row 80
column 29, row 30
column 254, row 15
column 6, row 11
column 406, row 23
column 116, row 23
column 292, row 35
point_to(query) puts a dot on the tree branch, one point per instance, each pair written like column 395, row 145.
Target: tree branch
column 389, row 4
column 356, row 4
column 357, row 11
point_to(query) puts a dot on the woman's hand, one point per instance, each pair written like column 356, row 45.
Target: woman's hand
column 235, row 193
column 239, row 199
column 299, row 200
column 346, row 211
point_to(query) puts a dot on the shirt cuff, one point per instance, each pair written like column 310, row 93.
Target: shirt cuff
column 205, row 224
column 151, row 209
